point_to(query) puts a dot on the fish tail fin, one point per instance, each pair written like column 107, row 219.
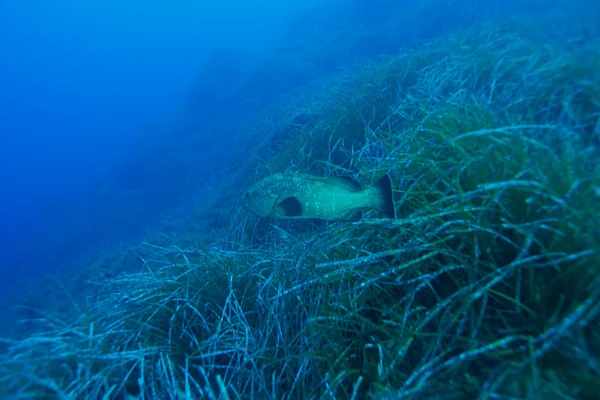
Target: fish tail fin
column 385, row 193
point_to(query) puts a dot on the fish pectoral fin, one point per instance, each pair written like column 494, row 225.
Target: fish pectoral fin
column 347, row 182
column 291, row 207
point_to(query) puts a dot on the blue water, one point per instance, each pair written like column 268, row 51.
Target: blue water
column 81, row 85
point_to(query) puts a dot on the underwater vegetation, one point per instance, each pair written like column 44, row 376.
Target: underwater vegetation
column 486, row 284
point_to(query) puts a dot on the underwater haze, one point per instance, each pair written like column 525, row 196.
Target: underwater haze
column 341, row 199
column 81, row 83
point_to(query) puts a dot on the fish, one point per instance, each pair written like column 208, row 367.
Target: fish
column 302, row 196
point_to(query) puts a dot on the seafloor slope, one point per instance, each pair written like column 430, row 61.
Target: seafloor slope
column 487, row 283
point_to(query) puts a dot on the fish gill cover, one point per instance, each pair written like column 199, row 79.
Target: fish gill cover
column 485, row 285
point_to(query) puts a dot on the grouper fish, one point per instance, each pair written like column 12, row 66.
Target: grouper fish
column 300, row 196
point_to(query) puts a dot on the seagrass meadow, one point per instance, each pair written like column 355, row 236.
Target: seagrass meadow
column 487, row 285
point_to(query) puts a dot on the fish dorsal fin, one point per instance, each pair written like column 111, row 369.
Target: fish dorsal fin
column 291, row 207
column 347, row 182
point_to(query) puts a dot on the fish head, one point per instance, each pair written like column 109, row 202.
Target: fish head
column 259, row 200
